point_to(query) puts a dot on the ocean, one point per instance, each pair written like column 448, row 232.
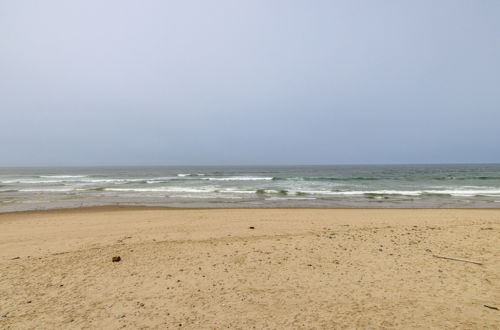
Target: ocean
column 354, row 186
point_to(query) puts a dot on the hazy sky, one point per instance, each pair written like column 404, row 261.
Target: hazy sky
column 249, row 82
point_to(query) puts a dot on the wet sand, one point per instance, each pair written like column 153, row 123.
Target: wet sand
column 249, row 268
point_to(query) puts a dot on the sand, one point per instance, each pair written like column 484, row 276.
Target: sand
column 207, row 269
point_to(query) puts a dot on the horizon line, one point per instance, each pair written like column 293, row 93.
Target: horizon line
column 250, row 165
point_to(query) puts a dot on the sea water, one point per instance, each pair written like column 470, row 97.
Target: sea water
column 376, row 186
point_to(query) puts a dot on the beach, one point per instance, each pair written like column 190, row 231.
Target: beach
column 250, row 268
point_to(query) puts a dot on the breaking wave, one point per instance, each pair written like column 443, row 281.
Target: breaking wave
column 324, row 179
column 62, row 176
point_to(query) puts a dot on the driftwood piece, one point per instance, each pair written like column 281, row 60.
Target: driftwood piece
column 457, row 259
column 491, row 307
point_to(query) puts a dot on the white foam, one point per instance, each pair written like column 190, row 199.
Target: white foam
column 239, row 178
column 63, row 176
column 465, row 192
column 47, row 190
column 74, row 179
column 455, row 192
column 31, row 181
column 163, row 189
column 34, row 181
column 112, row 180
column 161, row 179
column 207, row 196
column 274, row 198
column 190, row 174
column 230, row 190
column 495, row 192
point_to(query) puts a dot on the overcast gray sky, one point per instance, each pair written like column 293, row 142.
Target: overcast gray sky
column 249, row 82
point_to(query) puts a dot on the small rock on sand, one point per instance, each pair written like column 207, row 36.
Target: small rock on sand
column 116, row 259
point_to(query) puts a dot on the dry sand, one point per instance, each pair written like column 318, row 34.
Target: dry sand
column 298, row 268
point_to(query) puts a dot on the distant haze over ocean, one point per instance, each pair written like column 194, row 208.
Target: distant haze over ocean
column 122, row 82
column 474, row 185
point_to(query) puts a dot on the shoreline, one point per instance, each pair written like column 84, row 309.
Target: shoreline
column 109, row 208
column 244, row 268
column 329, row 186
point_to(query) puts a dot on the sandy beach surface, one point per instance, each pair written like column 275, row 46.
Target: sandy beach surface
column 249, row 268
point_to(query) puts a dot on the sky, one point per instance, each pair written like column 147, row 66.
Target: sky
column 265, row 82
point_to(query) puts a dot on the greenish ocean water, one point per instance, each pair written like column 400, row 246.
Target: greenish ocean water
column 256, row 186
